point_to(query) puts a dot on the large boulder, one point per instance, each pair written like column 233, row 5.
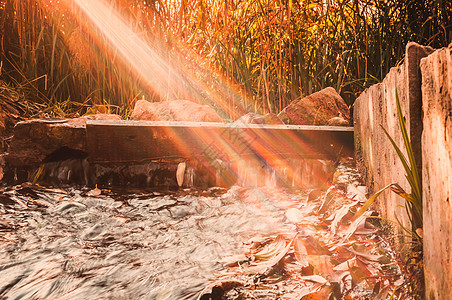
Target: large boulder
column 317, row 109
column 177, row 110
column 252, row 118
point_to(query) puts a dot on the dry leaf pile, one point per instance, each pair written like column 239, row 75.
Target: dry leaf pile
column 329, row 255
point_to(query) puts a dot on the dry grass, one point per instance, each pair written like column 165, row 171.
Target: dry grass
column 269, row 52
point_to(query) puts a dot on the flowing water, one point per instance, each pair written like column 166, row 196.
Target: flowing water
column 79, row 244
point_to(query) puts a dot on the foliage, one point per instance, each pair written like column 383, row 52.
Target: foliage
column 413, row 201
column 14, row 106
column 53, row 64
column 270, row 52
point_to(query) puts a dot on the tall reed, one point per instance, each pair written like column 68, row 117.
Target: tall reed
column 269, row 52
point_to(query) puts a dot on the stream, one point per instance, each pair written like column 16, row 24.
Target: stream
column 73, row 245
column 81, row 243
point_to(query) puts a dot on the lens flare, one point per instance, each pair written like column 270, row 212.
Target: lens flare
column 165, row 77
column 151, row 61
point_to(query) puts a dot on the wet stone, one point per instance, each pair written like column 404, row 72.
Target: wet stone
column 181, row 211
column 34, row 140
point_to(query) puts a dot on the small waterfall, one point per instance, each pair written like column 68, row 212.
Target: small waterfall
column 291, row 173
column 68, row 171
column 75, row 168
column 271, row 178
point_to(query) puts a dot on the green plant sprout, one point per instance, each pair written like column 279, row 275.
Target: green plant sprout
column 413, row 200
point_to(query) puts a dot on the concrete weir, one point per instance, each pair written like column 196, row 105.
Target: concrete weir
column 135, row 141
column 149, row 153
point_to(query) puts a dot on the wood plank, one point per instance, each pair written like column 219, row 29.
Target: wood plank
column 137, row 141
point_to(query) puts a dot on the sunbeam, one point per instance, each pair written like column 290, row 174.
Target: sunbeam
column 171, row 80
column 156, row 68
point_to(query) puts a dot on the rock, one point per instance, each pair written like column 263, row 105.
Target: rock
column 34, row 140
column 338, row 121
column 252, row 118
column 82, row 120
column 47, row 140
column 316, row 109
column 272, row 119
column 102, row 117
column 155, row 111
column 177, row 110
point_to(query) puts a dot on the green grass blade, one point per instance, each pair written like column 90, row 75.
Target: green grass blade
column 414, row 172
column 401, row 156
column 369, row 202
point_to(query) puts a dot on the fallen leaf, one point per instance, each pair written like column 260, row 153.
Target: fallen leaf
column 346, row 265
column 271, row 250
column 357, row 193
column 325, row 200
column 322, row 294
column 273, row 255
column 368, row 256
column 313, row 246
column 355, row 224
column 321, row 264
column 300, row 252
column 339, row 215
column 94, row 192
column 367, row 268
column 420, row 232
column 314, row 278
column 358, row 275
column 336, row 175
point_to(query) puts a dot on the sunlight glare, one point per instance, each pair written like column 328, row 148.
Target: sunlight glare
column 169, row 81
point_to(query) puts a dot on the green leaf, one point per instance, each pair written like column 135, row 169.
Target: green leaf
column 413, row 201
column 369, row 202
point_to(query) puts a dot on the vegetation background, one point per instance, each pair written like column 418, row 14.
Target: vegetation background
column 270, row 52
